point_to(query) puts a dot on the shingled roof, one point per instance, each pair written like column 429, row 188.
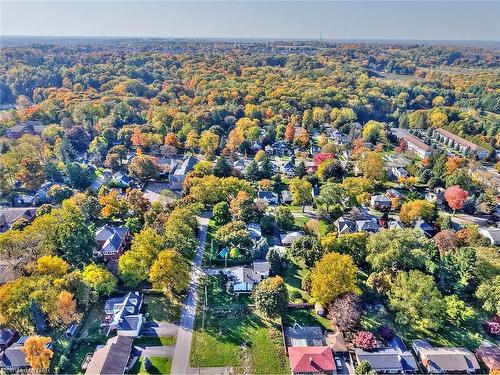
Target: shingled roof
column 112, row 358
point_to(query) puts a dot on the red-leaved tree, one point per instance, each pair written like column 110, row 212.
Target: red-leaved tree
column 321, row 157
column 456, row 197
column 365, row 340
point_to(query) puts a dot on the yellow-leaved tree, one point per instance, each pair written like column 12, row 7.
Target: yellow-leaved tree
column 37, row 354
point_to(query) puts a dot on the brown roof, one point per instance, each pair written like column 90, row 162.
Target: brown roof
column 112, row 358
column 414, row 140
column 458, row 139
column 490, row 357
column 336, row 341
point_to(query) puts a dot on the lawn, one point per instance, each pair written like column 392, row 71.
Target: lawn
column 306, row 317
column 293, row 275
column 241, row 338
column 161, row 365
column 87, row 339
column 300, row 221
column 155, row 341
column 161, row 309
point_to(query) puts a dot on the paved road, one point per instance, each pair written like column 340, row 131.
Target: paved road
column 160, row 329
column 180, row 362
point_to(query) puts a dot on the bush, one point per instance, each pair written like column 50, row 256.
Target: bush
column 386, row 332
column 295, row 294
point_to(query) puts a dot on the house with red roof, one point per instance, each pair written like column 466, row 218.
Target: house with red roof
column 311, row 360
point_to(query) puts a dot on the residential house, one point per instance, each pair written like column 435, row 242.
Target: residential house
column 345, row 225
column 113, row 358
column 290, row 237
column 445, row 360
column 298, row 336
column 397, row 173
column 240, row 165
column 414, row 143
column 380, row 202
column 279, row 148
column 178, row 176
column 336, row 341
column 392, row 193
column 23, row 200
column 27, row 127
column 123, row 179
column 490, row 356
column 254, row 231
column 314, row 149
column 286, row 197
column 256, row 146
column 268, row 196
column 287, row 168
column 406, row 358
column 339, row 138
column 436, row 196
column 492, row 234
column 395, row 224
column 123, row 315
column 111, row 242
column 363, row 224
column 388, row 360
column 13, row 358
column 7, row 336
column 426, row 228
column 458, row 143
column 245, row 279
column 9, row 216
column 311, row 360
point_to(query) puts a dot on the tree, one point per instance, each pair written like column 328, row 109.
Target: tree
column 243, row 207
column 31, row 173
column 66, row 308
column 446, row 240
column 365, row 340
column 307, row 247
column 372, row 165
column 329, row 169
column 456, row 197
column 457, row 311
column 59, row 193
column 222, row 168
column 235, row 234
column 374, row 132
column 134, row 265
column 284, row 217
column 37, row 354
column 400, row 249
column 78, row 175
column 271, row 297
column 489, row 295
column 221, row 213
column 252, row 172
column 353, row 244
column 321, row 157
column 51, row 265
column 144, row 167
column 73, row 238
column 138, row 203
column 332, row 198
column 364, row 368
column 113, row 205
column 170, row 273
column 273, row 257
column 417, row 301
column 345, row 311
column 290, row 133
column 191, row 140
column 301, row 191
column 417, row 209
column 209, row 143
column 99, row 279
column 332, row 276
column 171, row 140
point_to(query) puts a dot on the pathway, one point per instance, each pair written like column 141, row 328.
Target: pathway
column 182, row 352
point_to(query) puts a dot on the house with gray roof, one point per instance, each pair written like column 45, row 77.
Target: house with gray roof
column 9, row 215
column 178, row 175
column 113, row 358
column 26, row 127
column 123, row 315
column 445, row 360
column 111, row 242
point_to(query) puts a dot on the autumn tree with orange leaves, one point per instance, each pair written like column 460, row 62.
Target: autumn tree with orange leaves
column 37, row 354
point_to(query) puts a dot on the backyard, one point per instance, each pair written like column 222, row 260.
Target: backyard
column 240, row 338
column 160, row 365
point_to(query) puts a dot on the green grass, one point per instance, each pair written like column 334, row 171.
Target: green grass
column 162, row 365
column 300, row 221
column 235, row 336
column 305, row 317
column 162, row 309
column 293, row 276
column 155, row 341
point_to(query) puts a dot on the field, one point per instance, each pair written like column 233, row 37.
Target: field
column 161, row 365
column 234, row 336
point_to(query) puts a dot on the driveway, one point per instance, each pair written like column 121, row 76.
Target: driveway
column 180, row 362
column 160, row 329
column 157, row 351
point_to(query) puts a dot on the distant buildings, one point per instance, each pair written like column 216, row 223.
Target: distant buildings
column 27, row 127
column 458, row 143
column 415, row 144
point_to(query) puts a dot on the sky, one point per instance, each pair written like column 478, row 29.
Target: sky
column 280, row 19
